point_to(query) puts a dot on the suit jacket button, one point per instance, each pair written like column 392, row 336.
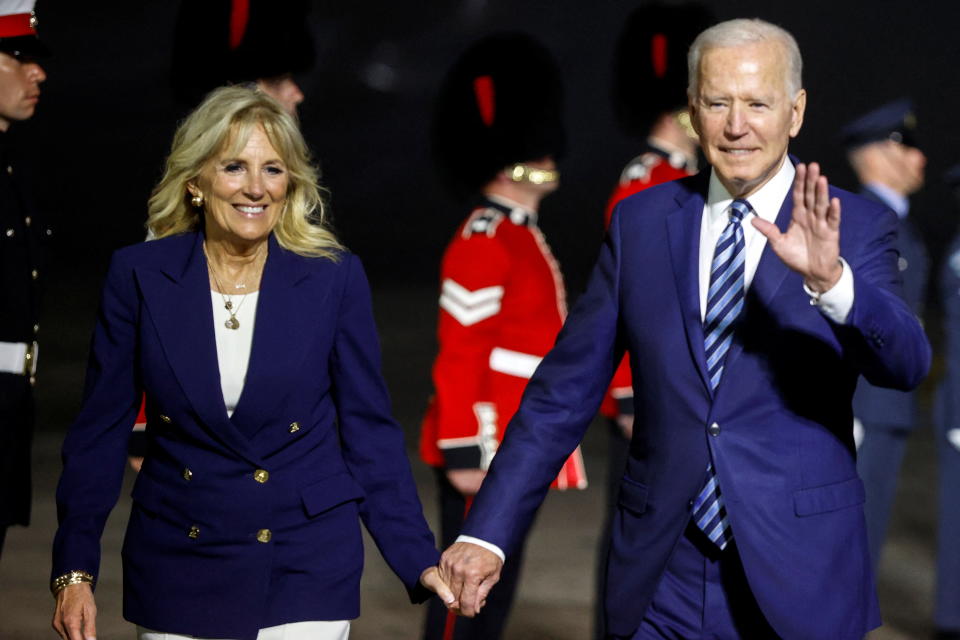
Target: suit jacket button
column 194, row 532
column 264, row 535
column 261, row 475
column 714, row 429
column 187, row 474
column 165, row 418
column 294, row 427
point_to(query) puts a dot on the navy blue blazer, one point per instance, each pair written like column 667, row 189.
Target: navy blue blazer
column 215, row 547
column 779, row 424
column 888, row 408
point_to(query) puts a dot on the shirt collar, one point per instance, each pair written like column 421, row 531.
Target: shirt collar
column 893, row 199
column 518, row 213
column 766, row 201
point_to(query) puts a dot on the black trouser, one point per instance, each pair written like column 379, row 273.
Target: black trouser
column 16, row 434
column 489, row 624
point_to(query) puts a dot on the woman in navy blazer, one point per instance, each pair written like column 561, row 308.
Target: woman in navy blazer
column 250, row 330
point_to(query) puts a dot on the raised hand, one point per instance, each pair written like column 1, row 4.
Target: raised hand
column 811, row 244
column 471, row 571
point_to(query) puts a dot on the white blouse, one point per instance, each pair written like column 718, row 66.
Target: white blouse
column 233, row 345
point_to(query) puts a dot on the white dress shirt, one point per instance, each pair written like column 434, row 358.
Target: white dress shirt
column 766, row 202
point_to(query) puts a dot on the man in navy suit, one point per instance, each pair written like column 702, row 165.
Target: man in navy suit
column 740, row 511
column 883, row 152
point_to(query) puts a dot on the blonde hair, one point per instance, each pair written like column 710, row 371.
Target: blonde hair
column 224, row 121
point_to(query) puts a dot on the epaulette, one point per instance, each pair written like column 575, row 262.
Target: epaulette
column 483, row 220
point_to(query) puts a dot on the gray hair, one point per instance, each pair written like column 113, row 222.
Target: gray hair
column 742, row 31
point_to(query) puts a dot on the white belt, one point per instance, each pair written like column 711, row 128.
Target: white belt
column 513, row 363
column 19, row 358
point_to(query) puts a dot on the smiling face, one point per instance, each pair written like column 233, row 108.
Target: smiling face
column 19, row 89
column 743, row 113
column 244, row 193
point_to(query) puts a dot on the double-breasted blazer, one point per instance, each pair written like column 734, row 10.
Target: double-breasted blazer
column 778, row 428
column 250, row 521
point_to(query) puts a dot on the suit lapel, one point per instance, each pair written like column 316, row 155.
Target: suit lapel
column 289, row 308
column 683, row 230
column 178, row 299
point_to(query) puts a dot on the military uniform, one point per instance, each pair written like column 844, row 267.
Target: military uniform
column 22, row 236
column 888, row 416
column 502, row 299
column 947, row 604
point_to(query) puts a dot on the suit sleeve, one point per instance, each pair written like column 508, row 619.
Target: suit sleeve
column 949, row 406
column 95, row 449
column 473, row 282
column 887, row 342
column 372, row 441
column 558, row 404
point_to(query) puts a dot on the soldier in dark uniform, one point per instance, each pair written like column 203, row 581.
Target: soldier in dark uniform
column 22, row 236
column 947, row 607
column 883, row 152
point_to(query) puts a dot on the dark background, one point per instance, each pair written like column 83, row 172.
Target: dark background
column 106, row 117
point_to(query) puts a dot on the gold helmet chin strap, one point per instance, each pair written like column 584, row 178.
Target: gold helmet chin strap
column 523, row 173
column 682, row 118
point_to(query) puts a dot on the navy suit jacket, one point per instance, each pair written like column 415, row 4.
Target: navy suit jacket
column 877, row 407
column 314, row 414
column 784, row 449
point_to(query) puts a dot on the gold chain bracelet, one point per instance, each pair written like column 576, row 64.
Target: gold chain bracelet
column 74, row 577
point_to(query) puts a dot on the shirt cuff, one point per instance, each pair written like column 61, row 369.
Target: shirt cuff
column 483, row 543
column 836, row 302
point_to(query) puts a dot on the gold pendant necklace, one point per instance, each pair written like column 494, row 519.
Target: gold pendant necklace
column 231, row 322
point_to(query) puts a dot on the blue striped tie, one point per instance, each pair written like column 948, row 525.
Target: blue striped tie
column 724, row 303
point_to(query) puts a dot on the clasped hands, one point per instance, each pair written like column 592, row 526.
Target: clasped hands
column 811, row 244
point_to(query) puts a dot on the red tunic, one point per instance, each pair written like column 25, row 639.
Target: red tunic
column 502, row 303
column 651, row 168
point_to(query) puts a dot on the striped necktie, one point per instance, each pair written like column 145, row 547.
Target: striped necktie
column 724, row 304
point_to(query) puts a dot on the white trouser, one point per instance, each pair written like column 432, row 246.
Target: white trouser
column 312, row 630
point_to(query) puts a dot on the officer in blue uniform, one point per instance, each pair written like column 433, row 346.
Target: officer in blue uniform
column 947, row 607
column 883, row 152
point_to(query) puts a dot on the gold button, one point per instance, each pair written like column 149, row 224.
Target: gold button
column 27, row 220
column 261, row 475
column 10, row 233
column 194, row 532
column 36, row 329
column 165, row 418
column 294, row 427
column 187, row 475
column 264, row 535
column 35, row 274
column 9, row 170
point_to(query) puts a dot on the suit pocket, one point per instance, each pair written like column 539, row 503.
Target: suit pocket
column 329, row 493
column 831, row 497
column 633, row 496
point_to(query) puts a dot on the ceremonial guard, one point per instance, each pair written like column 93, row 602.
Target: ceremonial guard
column 883, row 152
column 498, row 132
column 650, row 101
column 947, row 607
column 22, row 237
column 260, row 42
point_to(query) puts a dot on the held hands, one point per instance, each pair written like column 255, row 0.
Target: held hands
column 75, row 615
column 471, row 571
column 811, row 245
